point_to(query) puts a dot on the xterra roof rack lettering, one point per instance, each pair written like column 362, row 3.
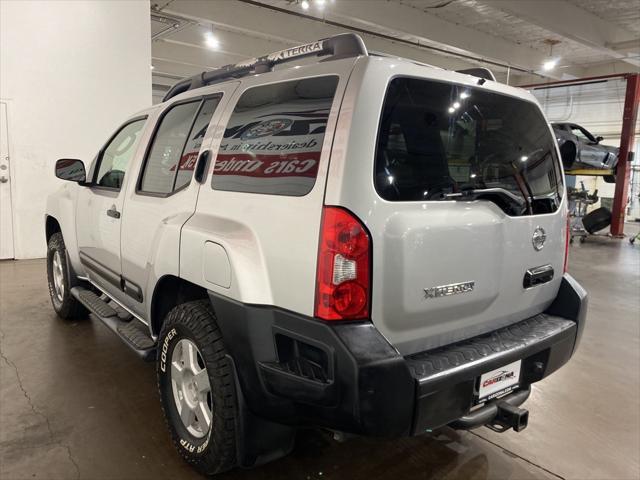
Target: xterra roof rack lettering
column 361, row 249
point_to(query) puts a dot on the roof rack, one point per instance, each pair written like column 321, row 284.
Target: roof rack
column 339, row 46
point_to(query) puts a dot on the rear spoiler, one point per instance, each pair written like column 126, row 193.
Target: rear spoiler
column 479, row 72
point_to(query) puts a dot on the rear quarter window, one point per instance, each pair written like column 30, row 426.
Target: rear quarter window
column 273, row 140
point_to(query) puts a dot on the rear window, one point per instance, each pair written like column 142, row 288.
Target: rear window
column 441, row 142
column 273, row 140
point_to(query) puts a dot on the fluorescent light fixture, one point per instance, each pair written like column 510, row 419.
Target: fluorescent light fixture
column 304, row 4
column 549, row 64
column 211, row 41
column 456, row 105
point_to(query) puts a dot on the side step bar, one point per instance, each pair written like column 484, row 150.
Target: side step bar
column 132, row 332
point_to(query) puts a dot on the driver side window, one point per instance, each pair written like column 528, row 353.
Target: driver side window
column 117, row 154
column 580, row 134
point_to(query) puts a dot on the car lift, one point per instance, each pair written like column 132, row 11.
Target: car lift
column 627, row 139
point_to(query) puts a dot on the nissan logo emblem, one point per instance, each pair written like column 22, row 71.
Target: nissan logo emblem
column 538, row 239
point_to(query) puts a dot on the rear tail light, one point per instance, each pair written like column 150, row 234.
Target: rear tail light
column 567, row 240
column 344, row 267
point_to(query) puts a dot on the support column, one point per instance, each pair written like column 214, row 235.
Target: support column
column 627, row 139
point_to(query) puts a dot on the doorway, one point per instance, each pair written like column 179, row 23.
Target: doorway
column 6, row 213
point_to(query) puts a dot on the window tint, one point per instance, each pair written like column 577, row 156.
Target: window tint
column 274, row 137
column 116, row 156
column 440, row 141
column 174, row 153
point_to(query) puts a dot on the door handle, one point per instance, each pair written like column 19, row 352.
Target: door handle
column 4, row 179
column 112, row 212
column 537, row 276
column 201, row 166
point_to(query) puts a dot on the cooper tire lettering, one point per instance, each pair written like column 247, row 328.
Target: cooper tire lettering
column 165, row 349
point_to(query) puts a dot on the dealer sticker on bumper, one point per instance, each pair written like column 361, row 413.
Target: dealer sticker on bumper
column 499, row 381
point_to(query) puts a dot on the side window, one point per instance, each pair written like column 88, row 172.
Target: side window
column 116, row 155
column 578, row 132
column 273, row 141
column 171, row 160
column 192, row 148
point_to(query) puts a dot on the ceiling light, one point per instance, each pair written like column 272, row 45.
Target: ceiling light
column 305, row 5
column 551, row 62
column 456, row 105
column 473, row 175
column 464, row 95
column 211, row 41
column 451, row 109
column 524, row 158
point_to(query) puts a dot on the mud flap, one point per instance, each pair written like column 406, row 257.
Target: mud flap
column 258, row 441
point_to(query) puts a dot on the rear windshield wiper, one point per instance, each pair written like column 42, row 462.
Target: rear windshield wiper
column 517, row 205
column 472, row 192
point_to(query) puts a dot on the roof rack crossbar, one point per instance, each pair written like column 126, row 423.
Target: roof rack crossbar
column 339, row 46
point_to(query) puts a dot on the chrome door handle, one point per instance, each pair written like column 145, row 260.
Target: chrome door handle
column 112, row 212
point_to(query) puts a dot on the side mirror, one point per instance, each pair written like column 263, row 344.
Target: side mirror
column 71, row 170
column 599, row 139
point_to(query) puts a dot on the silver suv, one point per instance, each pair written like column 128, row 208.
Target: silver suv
column 363, row 243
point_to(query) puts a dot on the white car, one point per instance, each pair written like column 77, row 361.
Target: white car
column 364, row 244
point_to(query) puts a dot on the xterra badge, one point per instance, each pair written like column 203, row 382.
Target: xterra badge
column 448, row 290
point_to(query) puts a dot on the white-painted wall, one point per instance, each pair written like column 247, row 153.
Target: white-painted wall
column 71, row 72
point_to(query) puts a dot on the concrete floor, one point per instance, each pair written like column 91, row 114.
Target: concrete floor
column 76, row 403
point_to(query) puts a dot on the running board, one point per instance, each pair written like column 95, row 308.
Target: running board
column 132, row 332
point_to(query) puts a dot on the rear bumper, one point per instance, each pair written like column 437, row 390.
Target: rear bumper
column 345, row 376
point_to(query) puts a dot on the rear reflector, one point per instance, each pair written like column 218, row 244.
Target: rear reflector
column 343, row 270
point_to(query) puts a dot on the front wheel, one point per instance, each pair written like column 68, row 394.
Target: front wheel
column 196, row 387
column 65, row 305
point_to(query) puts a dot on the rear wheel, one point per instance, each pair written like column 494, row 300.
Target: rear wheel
column 196, row 387
column 568, row 154
column 609, row 178
column 60, row 283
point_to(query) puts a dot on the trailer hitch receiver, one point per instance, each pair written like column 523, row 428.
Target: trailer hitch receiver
column 509, row 416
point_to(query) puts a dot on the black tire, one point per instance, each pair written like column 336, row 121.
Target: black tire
column 611, row 178
column 196, row 322
column 597, row 220
column 568, row 155
column 65, row 305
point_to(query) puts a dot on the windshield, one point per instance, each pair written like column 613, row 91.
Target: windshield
column 443, row 142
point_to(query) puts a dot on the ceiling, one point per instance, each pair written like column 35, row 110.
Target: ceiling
column 514, row 39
